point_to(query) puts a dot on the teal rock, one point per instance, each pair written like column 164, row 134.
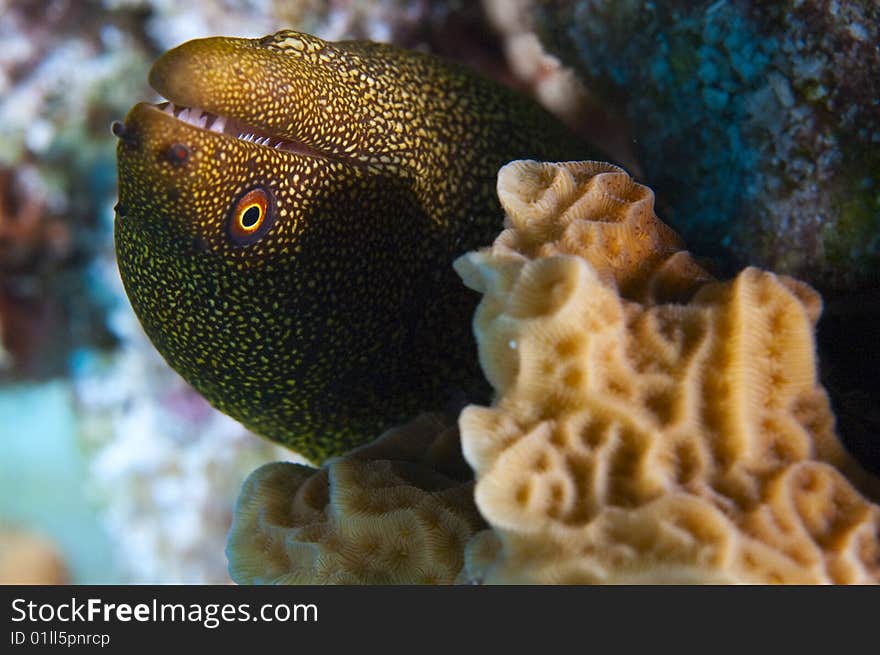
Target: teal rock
column 758, row 123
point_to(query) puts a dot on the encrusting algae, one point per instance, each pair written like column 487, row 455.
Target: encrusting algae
column 649, row 425
column 287, row 222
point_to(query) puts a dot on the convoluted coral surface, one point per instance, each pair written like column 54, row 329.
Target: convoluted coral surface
column 648, row 441
column 596, row 211
column 397, row 511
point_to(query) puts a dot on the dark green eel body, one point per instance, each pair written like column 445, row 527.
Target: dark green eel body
column 287, row 240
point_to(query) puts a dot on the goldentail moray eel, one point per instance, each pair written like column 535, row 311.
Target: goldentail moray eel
column 287, row 222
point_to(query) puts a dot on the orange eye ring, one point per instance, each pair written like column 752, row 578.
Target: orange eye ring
column 250, row 217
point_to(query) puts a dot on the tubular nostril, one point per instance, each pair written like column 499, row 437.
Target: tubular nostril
column 121, row 132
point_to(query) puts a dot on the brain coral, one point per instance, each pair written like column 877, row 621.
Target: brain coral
column 596, row 211
column 638, row 440
column 399, row 510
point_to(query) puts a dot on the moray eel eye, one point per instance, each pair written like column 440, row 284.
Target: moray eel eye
column 251, row 217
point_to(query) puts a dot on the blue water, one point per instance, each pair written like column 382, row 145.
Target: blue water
column 43, row 477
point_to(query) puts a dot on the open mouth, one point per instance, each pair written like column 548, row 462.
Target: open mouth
column 205, row 120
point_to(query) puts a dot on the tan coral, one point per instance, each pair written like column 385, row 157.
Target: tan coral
column 640, row 441
column 398, row 511
column 27, row 558
column 596, row 211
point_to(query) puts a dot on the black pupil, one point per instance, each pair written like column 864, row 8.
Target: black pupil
column 251, row 216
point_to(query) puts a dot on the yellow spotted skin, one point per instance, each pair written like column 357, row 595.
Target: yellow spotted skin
column 345, row 316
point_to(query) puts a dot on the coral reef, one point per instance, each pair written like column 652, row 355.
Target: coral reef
column 594, row 210
column 396, row 511
column 650, row 425
column 761, row 115
column 757, row 123
column 645, row 441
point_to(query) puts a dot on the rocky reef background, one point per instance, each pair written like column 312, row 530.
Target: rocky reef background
column 758, row 124
column 758, row 121
column 105, row 451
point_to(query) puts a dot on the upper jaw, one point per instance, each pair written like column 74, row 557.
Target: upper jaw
column 205, row 120
column 209, row 76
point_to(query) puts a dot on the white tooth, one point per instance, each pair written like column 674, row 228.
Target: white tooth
column 202, row 121
column 184, row 115
column 278, row 145
column 169, row 109
column 218, row 124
